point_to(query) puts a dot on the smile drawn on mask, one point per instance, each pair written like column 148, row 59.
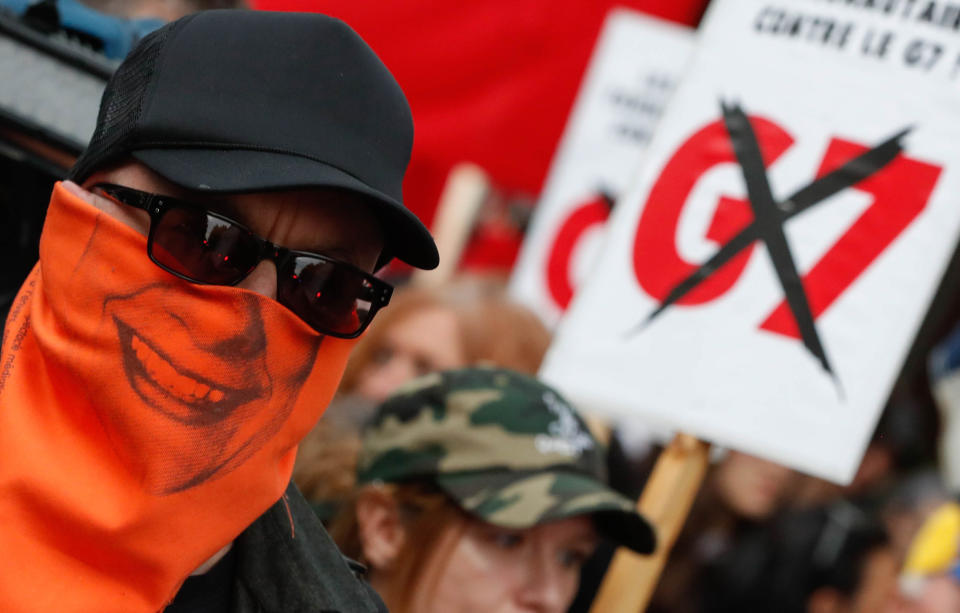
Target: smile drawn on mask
column 235, row 374
column 205, row 367
column 175, row 391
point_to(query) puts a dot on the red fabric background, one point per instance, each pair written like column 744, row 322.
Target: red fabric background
column 489, row 82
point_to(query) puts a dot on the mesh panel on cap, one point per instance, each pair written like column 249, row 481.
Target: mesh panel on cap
column 122, row 103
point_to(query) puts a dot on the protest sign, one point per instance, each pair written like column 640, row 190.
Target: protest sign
column 634, row 68
column 762, row 281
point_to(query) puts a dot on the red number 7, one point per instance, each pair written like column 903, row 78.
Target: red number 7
column 900, row 192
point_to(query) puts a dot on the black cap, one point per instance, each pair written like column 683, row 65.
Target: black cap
column 250, row 101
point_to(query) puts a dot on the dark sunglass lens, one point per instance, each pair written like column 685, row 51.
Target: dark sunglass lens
column 332, row 298
column 203, row 247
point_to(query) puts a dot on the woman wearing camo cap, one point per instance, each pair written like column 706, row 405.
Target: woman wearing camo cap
column 481, row 490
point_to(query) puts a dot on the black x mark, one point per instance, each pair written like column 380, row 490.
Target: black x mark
column 770, row 216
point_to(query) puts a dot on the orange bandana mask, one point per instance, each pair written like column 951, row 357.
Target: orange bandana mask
column 145, row 421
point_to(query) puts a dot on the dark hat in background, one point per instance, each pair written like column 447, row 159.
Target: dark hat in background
column 252, row 101
column 505, row 447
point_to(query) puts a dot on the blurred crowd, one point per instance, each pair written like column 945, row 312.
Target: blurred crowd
column 760, row 537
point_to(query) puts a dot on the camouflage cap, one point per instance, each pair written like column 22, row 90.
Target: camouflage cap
column 505, row 447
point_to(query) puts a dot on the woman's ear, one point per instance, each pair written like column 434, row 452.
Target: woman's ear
column 381, row 531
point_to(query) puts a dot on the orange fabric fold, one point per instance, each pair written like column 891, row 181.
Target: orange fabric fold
column 145, row 421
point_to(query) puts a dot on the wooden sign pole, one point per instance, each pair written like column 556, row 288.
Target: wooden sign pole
column 463, row 195
column 665, row 502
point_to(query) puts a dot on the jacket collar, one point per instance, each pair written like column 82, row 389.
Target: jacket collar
column 288, row 562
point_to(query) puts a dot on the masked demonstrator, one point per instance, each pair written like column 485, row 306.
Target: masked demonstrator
column 202, row 277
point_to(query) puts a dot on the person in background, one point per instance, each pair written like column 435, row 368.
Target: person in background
column 901, row 444
column 739, row 492
column 930, row 580
column 481, row 490
column 464, row 323
column 926, row 513
column 468, row 322
column 831, row 559
column 202, row 278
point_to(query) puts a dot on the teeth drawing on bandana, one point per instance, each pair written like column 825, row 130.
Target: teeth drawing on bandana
column 185, row 396
column 162, row 372
column 202, row 382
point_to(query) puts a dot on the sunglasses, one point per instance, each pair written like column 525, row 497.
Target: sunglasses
column 198, row 245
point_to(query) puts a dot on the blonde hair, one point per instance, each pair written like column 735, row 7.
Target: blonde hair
column 493, row 328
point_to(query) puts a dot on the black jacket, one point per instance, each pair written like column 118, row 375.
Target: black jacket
column 287, row 563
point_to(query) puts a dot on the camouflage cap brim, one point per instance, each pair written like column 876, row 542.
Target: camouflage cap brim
column 522, row 500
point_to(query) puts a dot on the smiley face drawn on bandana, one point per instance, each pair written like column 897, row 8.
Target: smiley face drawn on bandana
column 189, row 397
column 203, row 385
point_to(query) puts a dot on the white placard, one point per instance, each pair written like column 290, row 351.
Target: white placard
column 634, row 69
column 733, row 362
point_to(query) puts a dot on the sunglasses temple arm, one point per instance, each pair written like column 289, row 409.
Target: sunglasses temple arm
column 131, row 197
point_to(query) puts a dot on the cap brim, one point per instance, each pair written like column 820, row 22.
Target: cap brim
column 241, row 170
column 523, row 500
